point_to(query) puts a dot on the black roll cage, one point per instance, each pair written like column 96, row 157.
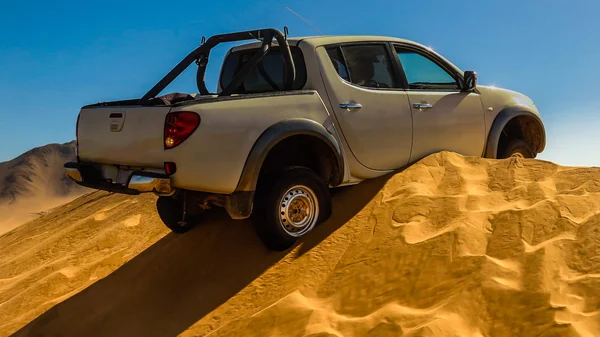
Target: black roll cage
column 201, row 54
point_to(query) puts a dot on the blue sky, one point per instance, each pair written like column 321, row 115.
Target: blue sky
column 57, row 56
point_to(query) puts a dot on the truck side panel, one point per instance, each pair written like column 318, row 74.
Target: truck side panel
column 213, row 157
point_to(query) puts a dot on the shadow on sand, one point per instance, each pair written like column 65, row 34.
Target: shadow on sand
column 181, row 278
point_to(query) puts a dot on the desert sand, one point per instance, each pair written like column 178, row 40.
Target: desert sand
column 34, row 183
column 451, row 246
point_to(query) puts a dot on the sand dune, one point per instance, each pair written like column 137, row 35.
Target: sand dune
column 452, row 246
column 34, row 183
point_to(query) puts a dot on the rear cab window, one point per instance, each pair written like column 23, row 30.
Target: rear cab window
column 267, row 76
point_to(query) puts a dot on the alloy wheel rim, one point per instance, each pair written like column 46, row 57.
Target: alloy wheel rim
column 298, row 210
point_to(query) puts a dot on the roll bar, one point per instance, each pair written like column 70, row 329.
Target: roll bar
column 201, row 54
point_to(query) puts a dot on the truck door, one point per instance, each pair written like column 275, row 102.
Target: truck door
column 370, row 106
column 444, row 118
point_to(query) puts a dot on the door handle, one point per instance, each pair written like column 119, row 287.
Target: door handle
column 350, row 106
column 422, row 106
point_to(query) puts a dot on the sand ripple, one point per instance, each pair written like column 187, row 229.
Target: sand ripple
column 452, row 246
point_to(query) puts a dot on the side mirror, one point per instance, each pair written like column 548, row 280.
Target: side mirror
column 470, row 80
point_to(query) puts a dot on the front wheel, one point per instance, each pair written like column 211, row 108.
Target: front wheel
column 296, row 202
column 517, row 148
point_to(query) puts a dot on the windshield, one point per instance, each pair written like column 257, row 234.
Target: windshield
column 267, row 76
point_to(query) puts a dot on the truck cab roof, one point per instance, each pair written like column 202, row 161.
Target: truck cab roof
column 317, row 41
column 310, row 43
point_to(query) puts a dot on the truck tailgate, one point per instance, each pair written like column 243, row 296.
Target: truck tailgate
column 131, row 136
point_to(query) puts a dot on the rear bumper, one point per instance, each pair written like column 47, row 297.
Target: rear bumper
column 138, row 181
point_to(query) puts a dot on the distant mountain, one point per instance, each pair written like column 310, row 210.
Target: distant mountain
column 34, row 182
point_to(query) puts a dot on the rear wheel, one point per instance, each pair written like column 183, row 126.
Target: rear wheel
column 170, row 211
column 289, row 206
column 517, row 148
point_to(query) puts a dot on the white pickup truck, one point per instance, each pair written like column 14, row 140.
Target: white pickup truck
column 292, row 118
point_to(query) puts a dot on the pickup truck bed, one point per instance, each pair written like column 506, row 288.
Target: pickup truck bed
column 123, row 139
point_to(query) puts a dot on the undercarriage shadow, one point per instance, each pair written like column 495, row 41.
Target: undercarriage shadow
column 181, row 278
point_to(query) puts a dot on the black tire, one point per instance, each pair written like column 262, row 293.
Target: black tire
column 170, row 211
column 280, row 225
column 517, row 148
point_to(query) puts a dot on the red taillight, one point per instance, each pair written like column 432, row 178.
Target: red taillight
column 170, row 168
column 178, row 126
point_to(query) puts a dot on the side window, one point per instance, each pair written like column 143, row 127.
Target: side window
column 363, row 65
column 337, row 59
column 423, row 73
